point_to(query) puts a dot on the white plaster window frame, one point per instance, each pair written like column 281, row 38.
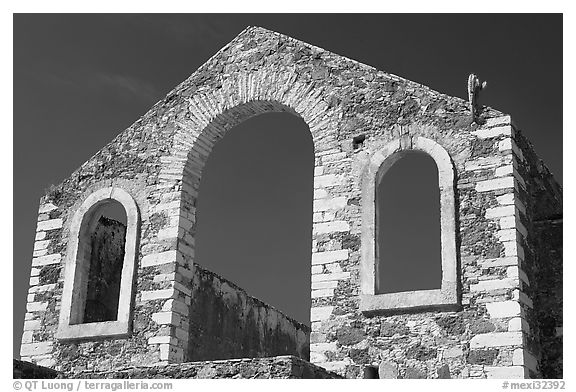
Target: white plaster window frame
column 378, row 164
column 70, row 324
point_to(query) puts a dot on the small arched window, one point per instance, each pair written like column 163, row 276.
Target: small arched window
column 408, row 256
column 98, row 279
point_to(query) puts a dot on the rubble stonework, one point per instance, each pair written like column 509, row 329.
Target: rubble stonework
column 504, row 200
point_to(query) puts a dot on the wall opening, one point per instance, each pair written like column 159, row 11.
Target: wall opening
column 99, row 274
column 107, row 231
column 408, row 226
column 254, row 211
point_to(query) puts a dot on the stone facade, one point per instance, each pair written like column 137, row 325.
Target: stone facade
column 282, row 367
column 248, row 368
column 504, row 200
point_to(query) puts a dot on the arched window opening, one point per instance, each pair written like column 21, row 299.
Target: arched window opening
column 100, row 262
column 408, row 255
column 254, row 214
column 408, row 225
column 107, row 232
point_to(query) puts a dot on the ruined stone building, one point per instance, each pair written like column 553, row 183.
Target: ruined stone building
column 122, row 295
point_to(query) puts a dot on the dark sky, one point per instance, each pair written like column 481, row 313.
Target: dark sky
column 79, row 80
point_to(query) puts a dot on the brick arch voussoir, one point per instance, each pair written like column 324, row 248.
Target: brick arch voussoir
column 212, row 112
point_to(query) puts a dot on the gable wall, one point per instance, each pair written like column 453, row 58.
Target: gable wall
column 159, row 160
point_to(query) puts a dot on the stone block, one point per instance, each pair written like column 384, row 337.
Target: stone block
column 387, row 370
column 169, row 233
column 509, row 222
column 331, row 227
column 501, row 130
column 321, row 313
column 504, row 171
column 155, row 259
column 327, row 277
column 506, row 199
column 321, row 205
column 43, row 288
column 27, row 336
column 499, row 262
column 328, row 180
column 503, row 372
column 330, row 256
column 34, row 349
column 40, row 253
column 317, row 269
column 498, row 212
column 323, row 347
column 181, row 288
column 44, row 208
column 512, row 249
column 175, row 306
column 507, row 235
column 495, row 284
column 510, row 144
column 497, row 121
column 181, row 334
column 39, row 245
column 46, row 260
column 495, row 184
column 162, row 340
column 503, row 309
column 322, row 293
column 316, row 357
column 36, row 306
column 164, row 277
column 320, row 193
column 48, row 362
column 329, row 284
column 487, row 163
column 51, row 224
column 452, row 352
column 518, row 324
column 521, row 357
column 157, row 294
column 512, row 271
column 333, row 267
column 166, row 318
column 333, row 157
column 496, row 339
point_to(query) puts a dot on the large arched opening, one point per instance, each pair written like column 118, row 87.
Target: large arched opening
column 254, row 211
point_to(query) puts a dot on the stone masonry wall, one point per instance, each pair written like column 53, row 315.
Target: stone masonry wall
column 225, row 322
column 159, row 161
column 548, row 299
column 276, row 367
column 542, row 249
column 22, row 369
